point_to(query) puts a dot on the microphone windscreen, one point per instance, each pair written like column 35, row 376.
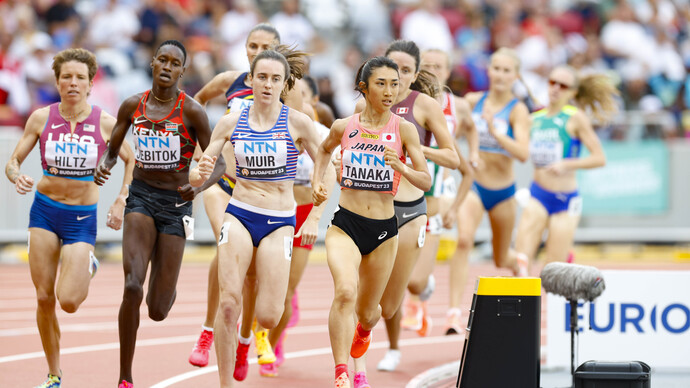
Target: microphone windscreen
column 573, row 281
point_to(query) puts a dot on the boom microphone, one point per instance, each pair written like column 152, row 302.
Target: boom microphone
column 573, row 281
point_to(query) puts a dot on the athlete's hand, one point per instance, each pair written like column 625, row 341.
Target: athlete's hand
column 102, row 172
column 475, row 161
column 319, row 194
column 201, row 173
column 392, row 159
column 187, row 192
column 557, row 168
column 309, row 231
column 116, row 215
column 488, row 117
column 23, row 184
column 449, row 217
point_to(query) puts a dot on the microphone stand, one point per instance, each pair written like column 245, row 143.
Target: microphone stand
column 573, row 332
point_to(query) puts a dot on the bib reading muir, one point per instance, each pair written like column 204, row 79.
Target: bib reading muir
column 269, row 155
column 261, row 158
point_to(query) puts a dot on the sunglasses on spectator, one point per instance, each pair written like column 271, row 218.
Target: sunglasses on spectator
column 561, row 85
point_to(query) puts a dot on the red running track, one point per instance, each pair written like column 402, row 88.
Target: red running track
column 90, row 356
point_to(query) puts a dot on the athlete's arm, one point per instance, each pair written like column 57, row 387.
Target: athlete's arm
column 434, row 121
column 216, row 86
column 32, row 132
column 323, row 158
column 464, row 188
column 418, row 175
column 220, row 135
column 463, row 112
column 117, row 137
column 199, row 121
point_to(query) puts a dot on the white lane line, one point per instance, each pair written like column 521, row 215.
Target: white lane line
column 99, row 347
column 312, row 352
column 148, row 342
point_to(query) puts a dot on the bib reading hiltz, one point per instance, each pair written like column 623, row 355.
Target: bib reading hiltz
column 71, row 158
column 68, row 154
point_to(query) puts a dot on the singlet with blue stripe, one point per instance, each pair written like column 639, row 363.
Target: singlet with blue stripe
column 549, row 141
column 264, row 156
column 239, row 95
column 487, row 142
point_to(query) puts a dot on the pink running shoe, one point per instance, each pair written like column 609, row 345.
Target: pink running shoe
column 361, row 380
column 241, row 364
column 125, row 384
column 199, row 356
column 268, row 370
column 294, row 318
column 278, row 351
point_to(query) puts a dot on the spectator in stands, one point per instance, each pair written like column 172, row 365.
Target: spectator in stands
column 427, row 27
column 63, row 23
column 294, row 28
column 233, row 29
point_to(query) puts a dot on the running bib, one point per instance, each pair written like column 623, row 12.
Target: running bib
column 71, row 158
column 238, row 104
column 486, row 139
column 261, row 159
column 545, row 153
column 156, row 152
column 366, row 171
column 304, row 168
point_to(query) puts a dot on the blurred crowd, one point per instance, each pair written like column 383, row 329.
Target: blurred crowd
column 643, row 44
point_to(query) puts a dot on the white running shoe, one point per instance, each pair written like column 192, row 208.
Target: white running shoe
column 390, row 361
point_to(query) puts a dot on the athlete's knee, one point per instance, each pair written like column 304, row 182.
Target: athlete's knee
column 134, row 290
column 46, row 300
column 270, row 316
column 388, row 310
column 229, row 307
column 159, row 311
column 417, row 284
column 465, row 242
column 345, row 294
column 368, row 316
column 70, row 304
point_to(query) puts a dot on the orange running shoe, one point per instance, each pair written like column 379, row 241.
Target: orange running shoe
column 359, row 344
column 412, row 320
column 426, row 322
